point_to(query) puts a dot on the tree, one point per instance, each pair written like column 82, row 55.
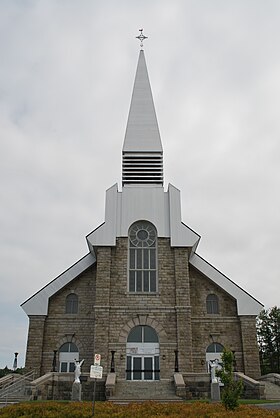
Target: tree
column 268, row 331
column 6, row 370
column 233, row 388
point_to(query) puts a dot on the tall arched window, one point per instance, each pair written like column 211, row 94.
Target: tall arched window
column 212, row 304
column 142, row 257
column 71, row 305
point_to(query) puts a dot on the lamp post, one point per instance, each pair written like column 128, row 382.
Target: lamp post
column 54, row 369
column 176, row 361
column 112, row 362
column 15, row 362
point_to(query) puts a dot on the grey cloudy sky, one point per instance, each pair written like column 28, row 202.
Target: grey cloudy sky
column 66, row 76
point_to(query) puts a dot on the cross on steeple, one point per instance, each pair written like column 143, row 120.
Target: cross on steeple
column 141, row 37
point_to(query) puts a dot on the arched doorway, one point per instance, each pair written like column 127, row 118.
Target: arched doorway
column 142, row 354
column 68, row 353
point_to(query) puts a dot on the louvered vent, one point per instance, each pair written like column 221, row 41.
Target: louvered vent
column 142, row 168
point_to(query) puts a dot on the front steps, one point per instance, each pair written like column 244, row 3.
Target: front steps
column 141, row 391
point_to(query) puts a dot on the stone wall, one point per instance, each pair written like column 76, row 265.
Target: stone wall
column 61, row 327
column 250, row 347
column 177, row 311
column 35, row 342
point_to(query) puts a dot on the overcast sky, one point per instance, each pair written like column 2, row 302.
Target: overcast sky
column 66, row 75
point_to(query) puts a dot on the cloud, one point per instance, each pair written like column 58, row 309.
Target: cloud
column 66, row 76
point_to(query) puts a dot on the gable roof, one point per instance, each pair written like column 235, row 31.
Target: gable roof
column 38, row 303
column 246, row 304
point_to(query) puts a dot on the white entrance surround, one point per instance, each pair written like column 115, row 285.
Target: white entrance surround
column 142, row 354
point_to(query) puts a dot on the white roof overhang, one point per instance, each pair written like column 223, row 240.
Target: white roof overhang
column 38, row 303
column 246, row 304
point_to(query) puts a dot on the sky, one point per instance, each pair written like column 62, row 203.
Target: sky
column 66, row 76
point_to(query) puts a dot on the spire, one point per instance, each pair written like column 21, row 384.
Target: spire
column 142, row 149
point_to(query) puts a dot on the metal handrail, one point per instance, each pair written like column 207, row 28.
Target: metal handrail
column 17, row 385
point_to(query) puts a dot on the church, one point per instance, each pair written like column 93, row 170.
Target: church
column 142, row 297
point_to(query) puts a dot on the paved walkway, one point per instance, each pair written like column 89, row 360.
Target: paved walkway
column 273, row 406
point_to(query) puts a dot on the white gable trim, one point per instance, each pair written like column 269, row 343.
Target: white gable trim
column 246, row 304
column 38, row 303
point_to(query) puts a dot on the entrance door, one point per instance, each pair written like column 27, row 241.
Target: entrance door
column 142, row 354
column 142, row 367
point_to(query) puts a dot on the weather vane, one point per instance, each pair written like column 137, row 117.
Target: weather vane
column 141, row 37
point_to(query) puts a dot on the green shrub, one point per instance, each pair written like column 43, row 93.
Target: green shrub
column 233, row 389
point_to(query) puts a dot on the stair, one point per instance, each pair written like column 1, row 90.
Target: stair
column 16, row 390
column 272, row 391
column 137, row 391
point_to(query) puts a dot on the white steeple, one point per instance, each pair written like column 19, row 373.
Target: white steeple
column 142, row 148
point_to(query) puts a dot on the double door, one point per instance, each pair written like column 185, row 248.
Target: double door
column 145, row 367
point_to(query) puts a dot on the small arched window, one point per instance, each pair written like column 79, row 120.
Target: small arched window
column 142, row 240
column 71, row 306
column 212, row 304
column 142, row 334
column 215, row 348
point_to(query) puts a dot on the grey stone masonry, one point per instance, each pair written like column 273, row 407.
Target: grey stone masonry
column 107, row 312
column 183, row 309
column 35, row 343
column 250, row 347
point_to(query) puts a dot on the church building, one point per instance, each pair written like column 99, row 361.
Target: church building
column 142, row 297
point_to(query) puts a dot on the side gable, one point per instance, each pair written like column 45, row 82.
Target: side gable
column 246, row 304
column 38, row 303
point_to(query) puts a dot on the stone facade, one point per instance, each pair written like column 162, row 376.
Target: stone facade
column 107, row 312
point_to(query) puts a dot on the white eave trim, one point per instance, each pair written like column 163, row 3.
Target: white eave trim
column 38, row 303
column 246, row 304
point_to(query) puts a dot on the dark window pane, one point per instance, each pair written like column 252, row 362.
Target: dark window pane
column 153, row 282
column 153, row 259
column 139, row 281
column 65, row 348
column 63, row 367
column 212, row 304
column 128, row 368
column 150, row 336
column 132, row 281
column 73, row 348
column 146, row 281
column 156, row 360
column 71, row 304
column 139, row 259
column 137, row 368
column 148, row 368
column 71, row 367
column 135, row 335
column 132, row 259
column 146, row 259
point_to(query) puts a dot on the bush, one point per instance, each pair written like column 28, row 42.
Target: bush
column 233, row 389
column 54, row 409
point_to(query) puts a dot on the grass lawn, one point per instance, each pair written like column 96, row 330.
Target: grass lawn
column 53, row 409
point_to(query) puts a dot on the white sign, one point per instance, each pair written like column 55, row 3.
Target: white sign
column 97, row 359
column 96, row 372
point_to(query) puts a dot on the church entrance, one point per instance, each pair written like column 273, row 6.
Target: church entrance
column 142, row 354
column 68, row 353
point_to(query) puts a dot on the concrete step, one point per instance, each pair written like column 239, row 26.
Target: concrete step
column 127, row 401
column 159, row 390
column 272, row 391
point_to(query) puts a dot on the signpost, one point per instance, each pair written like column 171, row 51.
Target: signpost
column 96, row 372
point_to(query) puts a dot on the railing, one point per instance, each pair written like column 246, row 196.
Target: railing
column 271, row 377
column 17, row 388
